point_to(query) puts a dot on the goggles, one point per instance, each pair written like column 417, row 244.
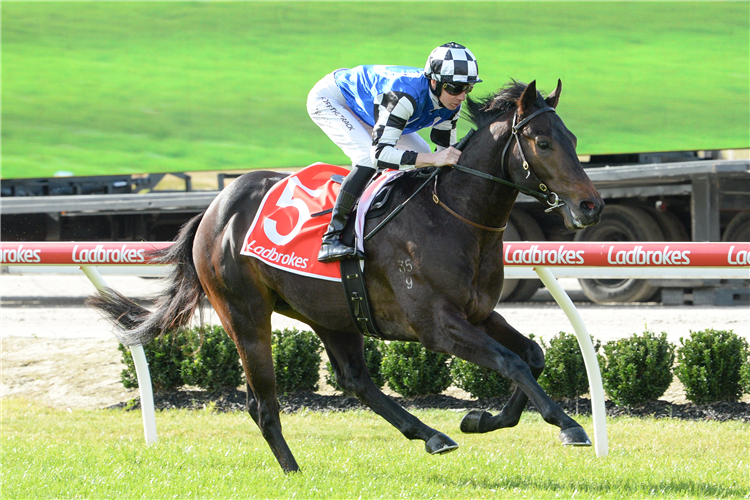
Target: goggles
column 458, row 88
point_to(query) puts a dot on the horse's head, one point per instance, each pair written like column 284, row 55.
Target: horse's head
column 536, row 150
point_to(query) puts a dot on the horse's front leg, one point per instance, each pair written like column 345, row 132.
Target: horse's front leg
column 469, row 342
column 346, row 353
column 529, row 351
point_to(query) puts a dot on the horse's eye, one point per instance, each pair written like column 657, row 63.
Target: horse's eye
column 543, row 144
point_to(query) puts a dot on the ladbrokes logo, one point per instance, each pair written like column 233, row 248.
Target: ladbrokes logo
column 100, row 255
column 20, row 255
column 273, row 255
column 534, row 255
column 639, row 256
column 739, row 258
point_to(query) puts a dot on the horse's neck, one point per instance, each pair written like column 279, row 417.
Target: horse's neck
column 480, row 200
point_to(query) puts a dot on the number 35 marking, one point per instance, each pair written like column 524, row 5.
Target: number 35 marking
column 404, row 266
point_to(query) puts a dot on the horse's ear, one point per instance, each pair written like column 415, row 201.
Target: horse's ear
column 554, row 97
column 527, row 99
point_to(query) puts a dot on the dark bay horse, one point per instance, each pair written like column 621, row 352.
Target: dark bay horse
column 434, row 274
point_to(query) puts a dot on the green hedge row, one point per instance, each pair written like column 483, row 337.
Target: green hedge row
column 712, row 365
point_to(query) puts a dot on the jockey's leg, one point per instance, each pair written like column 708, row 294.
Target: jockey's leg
column 332, row 248
column 327, row 108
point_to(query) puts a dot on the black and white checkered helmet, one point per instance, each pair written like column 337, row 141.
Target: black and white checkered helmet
column 452, row 63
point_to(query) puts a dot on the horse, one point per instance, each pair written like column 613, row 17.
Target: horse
column 434, row 273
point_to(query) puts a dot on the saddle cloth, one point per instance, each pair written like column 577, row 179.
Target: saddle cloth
column 288, row 227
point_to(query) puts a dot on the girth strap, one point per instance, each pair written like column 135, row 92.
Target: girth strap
column 353, row 280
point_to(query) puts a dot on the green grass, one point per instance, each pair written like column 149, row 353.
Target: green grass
column 48, row 453
column 124, row 87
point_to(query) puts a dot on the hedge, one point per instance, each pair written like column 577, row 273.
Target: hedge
column 411, row 370
column 638, row 369
column 712, row 365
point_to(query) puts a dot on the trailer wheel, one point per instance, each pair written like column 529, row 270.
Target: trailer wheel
column 738, row 228
column 528, row 230
column 620, row 223
column 670, row 225
column 510, row 234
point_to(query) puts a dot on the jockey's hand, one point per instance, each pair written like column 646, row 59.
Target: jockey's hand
column 448, row 156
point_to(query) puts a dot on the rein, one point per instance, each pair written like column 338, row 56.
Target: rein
column 459, row 217
column 550, row 198
column 460, row 146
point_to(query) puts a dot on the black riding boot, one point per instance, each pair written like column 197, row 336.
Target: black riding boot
column 332, row 249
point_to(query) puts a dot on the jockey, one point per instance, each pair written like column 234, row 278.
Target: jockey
column 373, row 113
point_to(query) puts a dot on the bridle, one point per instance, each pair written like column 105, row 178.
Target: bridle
column 514, row 134
column 544, row 195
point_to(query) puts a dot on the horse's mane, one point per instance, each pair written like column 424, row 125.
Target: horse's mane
column 488, row 109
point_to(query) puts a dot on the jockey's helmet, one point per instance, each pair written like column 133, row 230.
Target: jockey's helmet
column 452, row 63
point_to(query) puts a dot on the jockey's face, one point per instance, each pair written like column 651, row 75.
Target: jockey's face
column 449, row 101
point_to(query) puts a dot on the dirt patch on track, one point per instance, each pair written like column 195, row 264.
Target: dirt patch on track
column 63, row 373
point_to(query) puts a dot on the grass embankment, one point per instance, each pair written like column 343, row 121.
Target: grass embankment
column 48, row 453
column 98, row 88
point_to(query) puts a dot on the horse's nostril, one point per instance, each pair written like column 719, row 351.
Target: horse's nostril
column 588, row 207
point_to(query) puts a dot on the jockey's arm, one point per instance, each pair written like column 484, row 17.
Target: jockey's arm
column 393, row 111
column 447, row 156
column 443, row 134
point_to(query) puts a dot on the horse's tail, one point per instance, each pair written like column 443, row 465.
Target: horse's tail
column 174, row 307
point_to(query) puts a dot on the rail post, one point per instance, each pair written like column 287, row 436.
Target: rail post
column 141, row 367
column 598, row 411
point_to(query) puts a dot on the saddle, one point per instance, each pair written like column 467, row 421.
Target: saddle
column 289, row 224
column 353, row 268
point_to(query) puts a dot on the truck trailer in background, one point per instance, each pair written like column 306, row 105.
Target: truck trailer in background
column 673, row 196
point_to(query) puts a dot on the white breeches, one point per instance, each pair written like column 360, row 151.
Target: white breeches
column 327, row 108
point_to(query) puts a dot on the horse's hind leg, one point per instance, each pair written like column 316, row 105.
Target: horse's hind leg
column 346, row 353
column 529, row 351
column 249, row 325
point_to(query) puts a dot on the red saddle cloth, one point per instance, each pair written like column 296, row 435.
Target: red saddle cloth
column 284, row 233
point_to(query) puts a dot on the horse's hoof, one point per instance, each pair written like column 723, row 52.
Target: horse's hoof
column 574, row 436
column 439, row 444
column 475, row 422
